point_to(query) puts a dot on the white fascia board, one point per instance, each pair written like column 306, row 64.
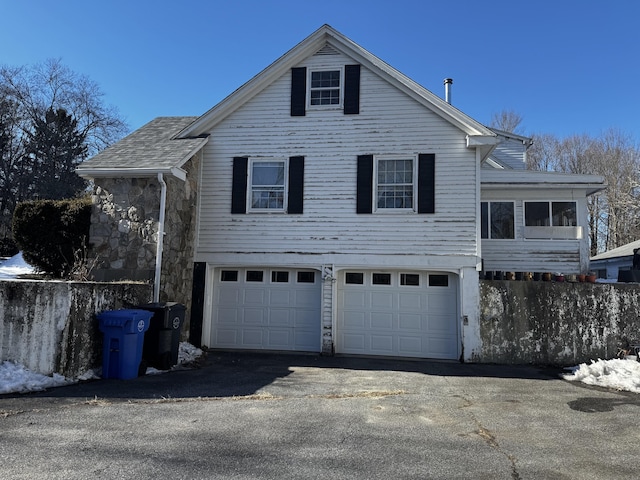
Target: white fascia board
column 130, row 172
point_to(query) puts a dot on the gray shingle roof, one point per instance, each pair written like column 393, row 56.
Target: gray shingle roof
column 151, row 148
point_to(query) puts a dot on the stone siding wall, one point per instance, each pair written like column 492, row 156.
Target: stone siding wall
column 556, row 323
column 124, row 228
column 179, row 241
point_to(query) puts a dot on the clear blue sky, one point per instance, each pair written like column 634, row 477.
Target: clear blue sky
column 566, row 66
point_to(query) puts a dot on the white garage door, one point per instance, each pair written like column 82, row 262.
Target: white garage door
column 406, row 314
column 266, row 309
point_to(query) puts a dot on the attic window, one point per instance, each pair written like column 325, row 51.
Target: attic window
column 325, row 87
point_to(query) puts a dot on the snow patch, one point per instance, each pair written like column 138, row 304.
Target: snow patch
column 17, row 379
column 15, row 266
column 617, row 374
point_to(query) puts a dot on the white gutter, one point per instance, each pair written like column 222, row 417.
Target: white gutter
column 163, row 202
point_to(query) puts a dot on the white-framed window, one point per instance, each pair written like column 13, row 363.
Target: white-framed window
column 497, row 220
column 267, row 190
column 325, row 87
column 550, row 214
column 395, row 183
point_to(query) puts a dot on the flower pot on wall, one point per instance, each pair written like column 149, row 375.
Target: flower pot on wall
column 581, row 277
column 591, row 278
column 546, row 277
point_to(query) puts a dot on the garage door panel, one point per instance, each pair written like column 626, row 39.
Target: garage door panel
column 279, row 297
column 252, row 338
column 354, row 319
column 254, row 296
column 382, row 343
column 382, row 300
column 410, row 322
column 354, row 300
column 274, row 314
column 253, row 316
column 354, row 343
column 410, row 346
column 412, row 316
column 226, row 337
column 279, row 339
column 280, row 317
column 441, row 324
column 381, row 320
column 228, row 316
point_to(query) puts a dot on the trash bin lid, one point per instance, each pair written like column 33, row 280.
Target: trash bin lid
column 120, row 318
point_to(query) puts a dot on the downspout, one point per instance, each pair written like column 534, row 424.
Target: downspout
column 159, row 246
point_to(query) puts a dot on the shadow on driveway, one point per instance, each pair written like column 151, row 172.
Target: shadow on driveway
column 234, row 374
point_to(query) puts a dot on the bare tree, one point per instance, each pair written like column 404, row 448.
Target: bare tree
column 507, row 120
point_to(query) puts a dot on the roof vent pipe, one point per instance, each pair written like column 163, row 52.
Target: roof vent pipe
column 447, row 89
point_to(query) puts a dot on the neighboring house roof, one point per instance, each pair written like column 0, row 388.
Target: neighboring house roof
column 150, row 150
column 518, row 179
column 479, row 135
column 623, row 251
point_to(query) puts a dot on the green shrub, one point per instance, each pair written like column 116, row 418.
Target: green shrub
column 52, row 233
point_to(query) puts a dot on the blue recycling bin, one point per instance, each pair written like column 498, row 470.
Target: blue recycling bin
column 123, row 341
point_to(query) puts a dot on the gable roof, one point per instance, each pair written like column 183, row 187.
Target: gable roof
column 150, row 150
column 318, row 40
column 623, row 251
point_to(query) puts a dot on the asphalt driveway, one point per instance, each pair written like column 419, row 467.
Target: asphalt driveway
column 246, row 416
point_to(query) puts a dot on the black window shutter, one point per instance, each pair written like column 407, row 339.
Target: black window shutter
column 239, row 185
column 296, row 185
column 298, row 91
column 426, row 183
column 351, row 89
column 365, row 184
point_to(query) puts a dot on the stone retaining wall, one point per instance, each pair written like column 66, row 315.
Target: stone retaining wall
column 51, row 326
column 556, row 323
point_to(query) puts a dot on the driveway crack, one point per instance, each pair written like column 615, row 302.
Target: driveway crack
column 489, row 437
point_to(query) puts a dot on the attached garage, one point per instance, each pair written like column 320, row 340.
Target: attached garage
column 266, row 309
column 400, row 314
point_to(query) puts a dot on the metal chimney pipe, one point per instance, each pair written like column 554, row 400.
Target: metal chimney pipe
column 447, row 89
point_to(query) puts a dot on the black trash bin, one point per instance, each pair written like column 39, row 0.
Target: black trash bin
column 162, row 340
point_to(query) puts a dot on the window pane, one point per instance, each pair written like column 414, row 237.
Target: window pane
column 353, row 278
column 325, row 79
column 395, row 197
column 564, row 214
column 254, row 275
column 268, row 173
column 438, row 280
column 261, row 198
column 501, row 220
column 536, row 214
column 306, row 277
column 381, row 279
column 484, row 220
column 279, row 277
column 410, row 279
column 229, row 276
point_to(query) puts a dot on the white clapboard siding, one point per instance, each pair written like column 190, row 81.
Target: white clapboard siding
column 389, row 123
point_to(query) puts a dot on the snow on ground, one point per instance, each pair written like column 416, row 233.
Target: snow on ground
column 15, row 266
column 17, row 379
column 618, row 374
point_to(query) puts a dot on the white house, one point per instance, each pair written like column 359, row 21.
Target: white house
column 333, row 205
